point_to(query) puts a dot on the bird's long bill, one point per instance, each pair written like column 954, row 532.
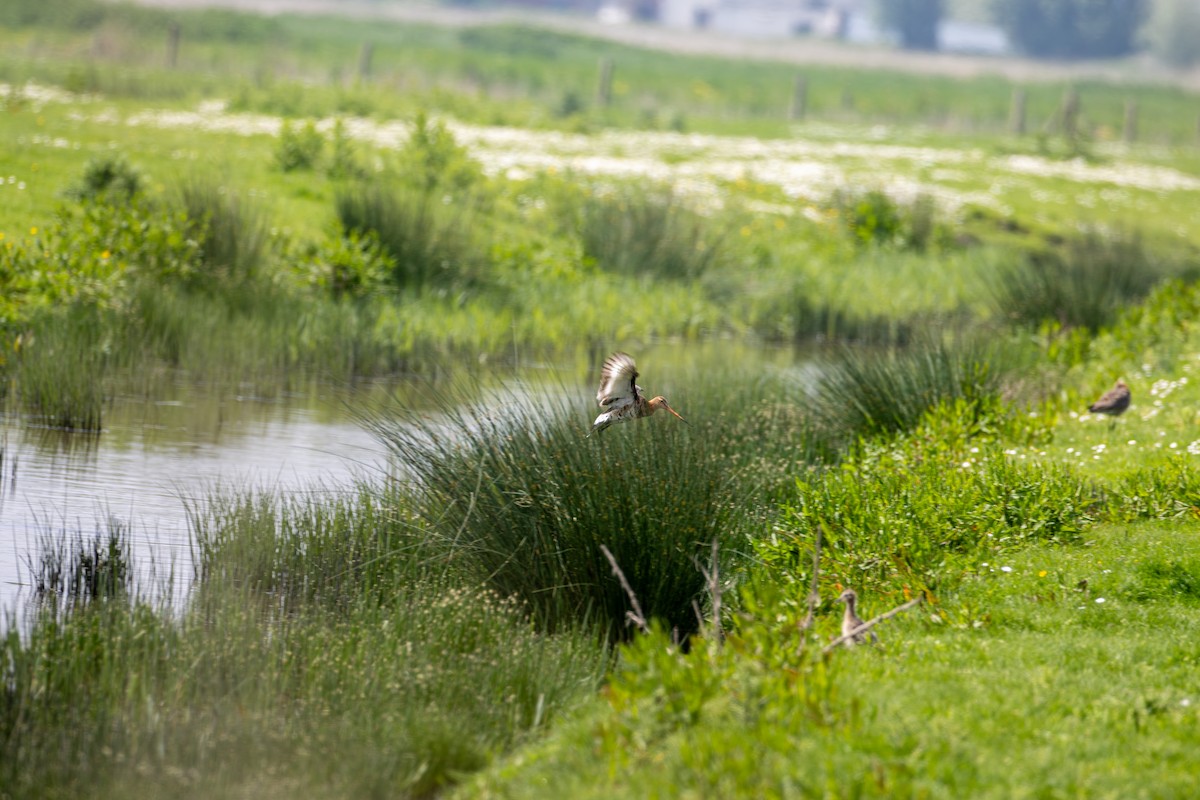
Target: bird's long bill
column 673, row 411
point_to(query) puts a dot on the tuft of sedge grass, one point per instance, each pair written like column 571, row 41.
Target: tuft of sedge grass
column 60, row 375
column 429, row 242
column 519, row 495
column 232, row 233
column 71, row 569
column 326, row 551
column 1084, row 283
column 646, row 231
column 864, row 393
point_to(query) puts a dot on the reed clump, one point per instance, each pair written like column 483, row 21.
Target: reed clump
column 71, row 569
column 869, row 392
column 1084, row 283
column 231, row 230
column 647, row 231
column 429, row 243
column 524, row 501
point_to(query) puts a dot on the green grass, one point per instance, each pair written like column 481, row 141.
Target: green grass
column 523, row 500
column 1023, row 685
column 1085, row 285
column 643, row 231
column 320, row 650
column 396, row 640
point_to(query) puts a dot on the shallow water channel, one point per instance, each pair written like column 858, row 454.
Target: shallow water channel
column 156, row 457
column 159, row 456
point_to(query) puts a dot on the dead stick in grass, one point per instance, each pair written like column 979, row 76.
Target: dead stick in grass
column 713, row 581
column 814, row 594
column 866, row 626
column 635, row 616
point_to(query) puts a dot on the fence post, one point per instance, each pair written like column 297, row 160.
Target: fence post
column 1130, row 131
column 172, row 45
column 1016, row 113
column 604, row 85
column 364, row 61
column 799, row 105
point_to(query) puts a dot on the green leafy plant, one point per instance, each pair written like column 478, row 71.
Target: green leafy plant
column 299, row 148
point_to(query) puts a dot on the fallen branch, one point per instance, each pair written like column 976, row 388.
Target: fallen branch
column 866, row 626
column 636, row 616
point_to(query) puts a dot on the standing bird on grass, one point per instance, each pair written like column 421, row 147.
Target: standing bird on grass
column 851, row 622
column 621, row 397
column 1113, row 402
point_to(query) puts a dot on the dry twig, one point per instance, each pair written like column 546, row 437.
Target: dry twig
column 636, row 616
column 814, row 594
column 712, row 579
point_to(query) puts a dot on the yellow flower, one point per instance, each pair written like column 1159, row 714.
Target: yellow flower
column 106, row 255
column 1042, row 574
column 33, row 231
column 1, row 236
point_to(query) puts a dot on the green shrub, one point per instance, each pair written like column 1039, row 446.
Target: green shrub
column 352, row 265
column 343, row 161
column 646, row 231
column 432, row 161
column 111, row 178
column 872, row 217
column 298, row 148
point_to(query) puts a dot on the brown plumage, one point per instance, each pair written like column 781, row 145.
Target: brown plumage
column 620, row 395
column 851, row 622
column 1114, row 401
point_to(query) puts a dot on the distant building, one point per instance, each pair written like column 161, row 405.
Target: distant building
column 763, row 18
column 850, row 20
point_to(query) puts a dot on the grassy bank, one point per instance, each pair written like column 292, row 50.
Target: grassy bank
column 456, row 626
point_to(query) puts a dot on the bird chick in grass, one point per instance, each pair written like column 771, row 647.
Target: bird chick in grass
column 851, row 621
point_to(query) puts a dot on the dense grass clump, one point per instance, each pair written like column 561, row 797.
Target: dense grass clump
column 428, row 242
column 866, row 392
column 643, row 231
column 1085, row 283
column 306, row 552
column 70, row 570
column 524, row 501
column 232, row 233
column 60, row 375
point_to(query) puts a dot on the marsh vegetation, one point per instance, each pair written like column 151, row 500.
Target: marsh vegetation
column 954, row 295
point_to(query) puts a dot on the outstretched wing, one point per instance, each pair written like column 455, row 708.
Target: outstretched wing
column 617, row 387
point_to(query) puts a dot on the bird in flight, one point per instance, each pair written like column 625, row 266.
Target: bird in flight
column 1113, row 402
column 621, row 397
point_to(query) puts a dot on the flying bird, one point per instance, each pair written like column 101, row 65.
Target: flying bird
column 621, row 397
column 1113, row 402
column 851, row 622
